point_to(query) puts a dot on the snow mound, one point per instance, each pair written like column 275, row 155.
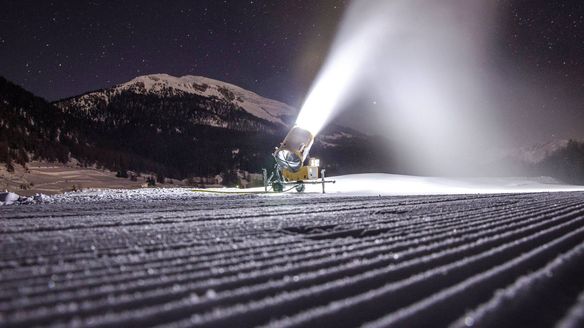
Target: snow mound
column 8, row 198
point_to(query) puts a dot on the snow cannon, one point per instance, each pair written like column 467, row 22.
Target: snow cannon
column 294, row 149
column 289, row 168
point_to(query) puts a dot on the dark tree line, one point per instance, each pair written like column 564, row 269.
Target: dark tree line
column 170, row 137
column 29, row 125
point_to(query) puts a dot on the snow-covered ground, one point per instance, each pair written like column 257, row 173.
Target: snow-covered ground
column 55, row 178
column 393, row 184
column 372, row 184
column 177, row 258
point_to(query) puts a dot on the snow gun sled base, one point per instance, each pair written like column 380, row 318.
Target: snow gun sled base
column 289, row 172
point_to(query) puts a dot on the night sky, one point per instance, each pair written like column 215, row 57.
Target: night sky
column 58, row 49
column 541, row 43
column 545, row 37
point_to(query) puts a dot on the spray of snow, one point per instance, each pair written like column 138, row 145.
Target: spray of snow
column 353, row 48
column 424, row 68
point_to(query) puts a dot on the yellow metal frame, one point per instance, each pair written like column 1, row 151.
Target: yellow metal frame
column 302, row 174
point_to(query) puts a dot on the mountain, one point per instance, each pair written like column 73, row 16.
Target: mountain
column 215, row 103
column 539, row 152
column 562, row 159
column 565, row 163
column 176, row 127
column 31, row 128
column 182, row 127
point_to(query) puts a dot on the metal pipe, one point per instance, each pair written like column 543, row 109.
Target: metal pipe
column 265, row 175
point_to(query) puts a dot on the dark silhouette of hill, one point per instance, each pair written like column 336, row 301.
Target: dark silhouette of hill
column 171, row 134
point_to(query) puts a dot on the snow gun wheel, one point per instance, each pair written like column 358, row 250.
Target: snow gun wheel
column 277, row 187
column 301, row 187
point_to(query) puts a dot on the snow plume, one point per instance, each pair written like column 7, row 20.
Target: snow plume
column 421, row 70
column 352, row 50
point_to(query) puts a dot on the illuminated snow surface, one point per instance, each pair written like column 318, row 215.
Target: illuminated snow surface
column 388, row 184
column 178, row 258
column 347, row 185
column 392, row 184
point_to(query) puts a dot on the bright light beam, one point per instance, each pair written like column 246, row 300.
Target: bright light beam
column 350, row 52
column 328, row 92
column 426, row 66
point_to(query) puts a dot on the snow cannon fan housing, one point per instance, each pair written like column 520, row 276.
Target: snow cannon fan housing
column 292, row 153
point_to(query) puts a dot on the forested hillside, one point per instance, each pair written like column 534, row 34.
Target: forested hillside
column 179, row 135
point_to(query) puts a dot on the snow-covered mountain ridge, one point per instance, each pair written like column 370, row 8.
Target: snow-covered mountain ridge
column 539, row 152
column 164, row 85
column 219, row 105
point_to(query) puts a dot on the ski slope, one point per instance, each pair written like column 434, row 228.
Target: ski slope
column 174, row 258
column 392, row 184
column 401, row 185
